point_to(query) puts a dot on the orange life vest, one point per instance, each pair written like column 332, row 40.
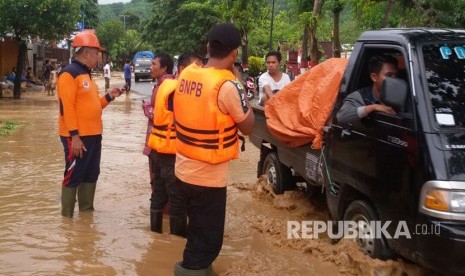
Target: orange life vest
column 203, row 132
column 163, row 136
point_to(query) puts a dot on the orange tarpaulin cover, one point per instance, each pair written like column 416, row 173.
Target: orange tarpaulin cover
column 297, row 114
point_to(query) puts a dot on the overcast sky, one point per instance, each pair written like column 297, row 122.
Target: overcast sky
column 102, row 2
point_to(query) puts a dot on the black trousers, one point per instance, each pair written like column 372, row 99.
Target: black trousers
column 164, row 186
column 206, row 208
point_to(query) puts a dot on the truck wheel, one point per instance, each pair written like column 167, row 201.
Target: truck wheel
column 362, row 213
column 278, row 175
column 137, row 79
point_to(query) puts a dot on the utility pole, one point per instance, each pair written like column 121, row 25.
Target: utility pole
column 124, row 20
column 83, row 20
column 124, row 25
column 271, row 27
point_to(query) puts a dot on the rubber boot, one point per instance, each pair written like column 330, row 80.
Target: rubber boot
column 156, row 221
column 178, row 226
column 86, row 192
column 68, row 200
column 181, row 271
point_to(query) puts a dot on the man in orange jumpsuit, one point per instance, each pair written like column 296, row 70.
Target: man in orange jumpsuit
column 80, row 124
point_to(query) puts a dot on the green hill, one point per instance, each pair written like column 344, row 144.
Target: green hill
column 135, row 12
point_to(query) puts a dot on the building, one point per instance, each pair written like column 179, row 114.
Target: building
column 37, row 53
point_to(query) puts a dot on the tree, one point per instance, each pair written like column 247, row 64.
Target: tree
column 304, row 59
column 135, row 43
column 139, row 10
column 179, row 26
column 130, row 19
column 89, row 12
column 388, row 13
column 110, row 33
column 314, row 52
column 336, row 6
column 127, row 47
column 242, row 14
column 48, row 19
column 441, row 13
column 287, row 30
column 427, row 7
column 303, row 9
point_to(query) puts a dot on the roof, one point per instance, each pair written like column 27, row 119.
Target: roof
column 413, row 35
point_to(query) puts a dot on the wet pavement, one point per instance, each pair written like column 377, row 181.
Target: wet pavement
column 115, row 239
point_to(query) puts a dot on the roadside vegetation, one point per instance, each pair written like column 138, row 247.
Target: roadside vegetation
column 178, row 26
column 6, row 127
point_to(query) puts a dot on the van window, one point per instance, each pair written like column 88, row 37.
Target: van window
column 445, row 74
column 363, row 72
column 361, row 81
column 144, row 62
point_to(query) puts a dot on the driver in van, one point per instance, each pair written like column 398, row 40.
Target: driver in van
column 363, row 102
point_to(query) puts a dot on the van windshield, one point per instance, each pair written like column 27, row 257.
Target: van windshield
column 445, row 73
column 143, row 62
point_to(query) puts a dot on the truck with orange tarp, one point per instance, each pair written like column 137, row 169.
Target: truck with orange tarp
column 404, row 171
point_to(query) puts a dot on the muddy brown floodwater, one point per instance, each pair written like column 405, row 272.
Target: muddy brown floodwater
column 115, row 239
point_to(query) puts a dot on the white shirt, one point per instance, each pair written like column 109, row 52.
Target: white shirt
column 265, row 79
column 107, row 71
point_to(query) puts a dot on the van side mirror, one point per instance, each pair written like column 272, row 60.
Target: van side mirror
column 394, row 93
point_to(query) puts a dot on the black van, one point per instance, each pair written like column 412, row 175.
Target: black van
column 407, row 169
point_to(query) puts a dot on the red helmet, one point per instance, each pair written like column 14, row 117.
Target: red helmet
column 86, row 39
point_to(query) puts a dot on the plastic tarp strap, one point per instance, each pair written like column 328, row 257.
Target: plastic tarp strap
column 297, row 114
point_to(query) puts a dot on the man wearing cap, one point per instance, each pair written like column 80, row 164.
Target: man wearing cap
column 80, row 124
column 209, row 108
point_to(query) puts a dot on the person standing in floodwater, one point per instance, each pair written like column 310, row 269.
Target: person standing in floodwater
column 127, row 75
column 162, row 142
column 160, row 70
column 107, row 74
column 80, row 124
column 209, row 109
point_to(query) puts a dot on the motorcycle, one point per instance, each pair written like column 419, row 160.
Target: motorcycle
column 250, row 88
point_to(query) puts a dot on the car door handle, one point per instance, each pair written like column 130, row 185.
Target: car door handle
column 345, row 132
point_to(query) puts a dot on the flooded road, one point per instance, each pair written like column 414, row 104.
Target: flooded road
column 142, row 87
column 115, row 239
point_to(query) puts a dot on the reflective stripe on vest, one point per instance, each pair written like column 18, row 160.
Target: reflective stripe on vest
column 163, row 136
column 203, row 132
column 214, row 143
